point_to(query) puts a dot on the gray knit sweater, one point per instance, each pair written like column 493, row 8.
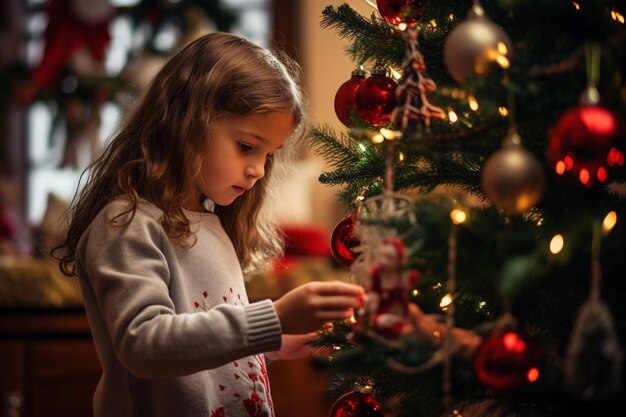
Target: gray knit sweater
column 173, row 328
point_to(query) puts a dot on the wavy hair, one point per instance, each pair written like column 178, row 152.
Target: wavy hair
column 157, row 154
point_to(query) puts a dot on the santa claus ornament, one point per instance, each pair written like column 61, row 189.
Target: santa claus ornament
column 385, row 311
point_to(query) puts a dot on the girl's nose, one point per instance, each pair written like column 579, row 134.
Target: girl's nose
column 256, row 170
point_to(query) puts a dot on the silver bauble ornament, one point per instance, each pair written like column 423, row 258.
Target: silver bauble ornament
column 476, row 46
column 512, row 178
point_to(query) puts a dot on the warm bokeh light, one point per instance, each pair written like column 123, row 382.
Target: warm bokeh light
column 576, row 5
column 513, row 343
column 569, row 162
column 378, row 138
column 598, row 120
column 473, row 103
column 556, row 244
column 532, row 374
column 609, row 222
column 560, row 167
column 615, row 157
column 584, row 176
column 617, row 16
column 601, row 174
column 445, row 301
column 458, row 216
column 503, row 111
column 452, row 116
column 390, row 134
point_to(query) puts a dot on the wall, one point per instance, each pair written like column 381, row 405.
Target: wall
column 326, row 67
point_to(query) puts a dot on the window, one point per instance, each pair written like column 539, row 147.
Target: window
column 54, row 158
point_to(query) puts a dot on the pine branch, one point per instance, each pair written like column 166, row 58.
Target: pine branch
column 372, row 39
column 336, row 150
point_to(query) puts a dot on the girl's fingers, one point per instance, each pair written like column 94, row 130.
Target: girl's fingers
column 339, row 288
column 337, row 302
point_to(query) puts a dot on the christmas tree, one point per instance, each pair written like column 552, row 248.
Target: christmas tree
column 482, row 167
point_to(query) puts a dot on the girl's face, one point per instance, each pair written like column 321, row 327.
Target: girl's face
column 235, row 156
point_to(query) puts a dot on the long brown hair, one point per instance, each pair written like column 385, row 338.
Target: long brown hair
column 157, row 153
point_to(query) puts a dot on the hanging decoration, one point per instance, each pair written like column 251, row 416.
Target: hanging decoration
column 358, row 403
column 345, row 98
column 375, row 97
column 386, row 306
column 512, row 178
column 343, row 241
column 398, row 12
column 413, row 107
column 594, row 357
column 477, row 46
column 587, row 143
column 507, row 361
column 76, row 36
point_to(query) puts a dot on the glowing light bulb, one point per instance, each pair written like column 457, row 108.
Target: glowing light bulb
column 473, row 104
column 513, row 343
column 556, row 244
column 452, row 116
column 445, row 301
column 609, row 222
column 362, row 147
column 378, row 138
column 503, row 111
column 458, row 216
column 532, row 374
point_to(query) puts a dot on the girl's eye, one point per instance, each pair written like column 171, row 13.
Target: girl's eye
column 244, row 147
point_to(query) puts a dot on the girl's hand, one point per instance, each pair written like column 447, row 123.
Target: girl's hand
column 305, row 308
column 296, row 346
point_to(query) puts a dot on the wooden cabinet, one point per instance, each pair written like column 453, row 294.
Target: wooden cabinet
column 48, row 359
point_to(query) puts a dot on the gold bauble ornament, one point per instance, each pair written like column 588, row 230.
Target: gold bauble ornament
column 512, row 178
column 476, row 46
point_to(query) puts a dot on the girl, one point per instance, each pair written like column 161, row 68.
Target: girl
column 170, row 214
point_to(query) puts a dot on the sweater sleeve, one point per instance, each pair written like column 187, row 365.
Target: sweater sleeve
column 127, row 274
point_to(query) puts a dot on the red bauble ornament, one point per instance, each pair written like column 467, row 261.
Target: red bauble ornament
column 401, row 11
column 356, row 404
column 376, row 98
column 506, row 361
column 345, row 105
column 342, row 241
column 587, row 142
